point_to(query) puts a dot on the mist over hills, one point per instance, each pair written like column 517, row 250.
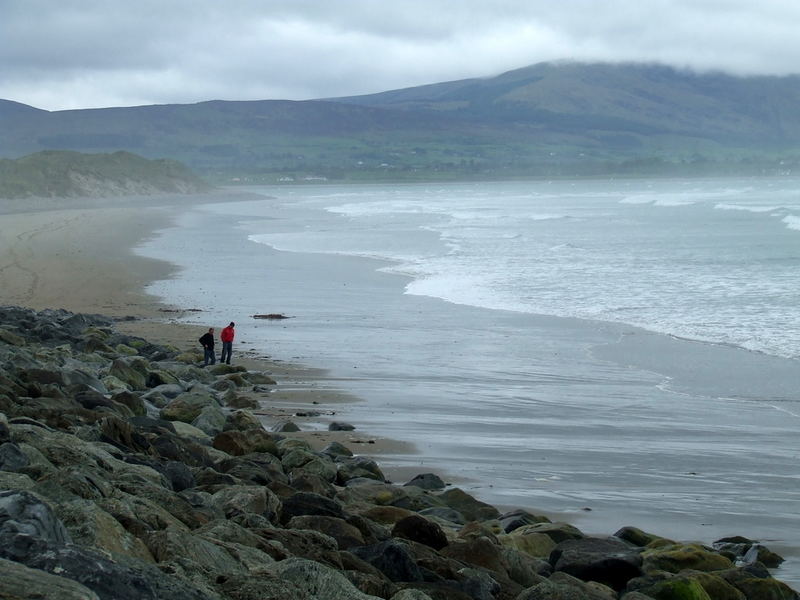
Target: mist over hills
column 546, row 119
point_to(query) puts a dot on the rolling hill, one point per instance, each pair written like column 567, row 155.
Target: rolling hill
column 546, row 119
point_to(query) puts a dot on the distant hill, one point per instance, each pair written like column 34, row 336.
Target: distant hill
column 67, row 174
column 546, row 119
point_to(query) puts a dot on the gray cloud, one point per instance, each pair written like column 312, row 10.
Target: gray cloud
column 88, row 53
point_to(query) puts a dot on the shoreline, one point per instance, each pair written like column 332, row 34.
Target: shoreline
column 113, row 283
column 74, row 254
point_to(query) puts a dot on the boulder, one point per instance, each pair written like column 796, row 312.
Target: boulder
column 210, row 420
column 421, row 530
column 236, row 401
column 22, row 512
column 346, row 535
column 188, row 406
column 316, row 581
column 174, row 545
column 359, row 466
column 427, row 481
column 558, row 532
column 609, row 561
column 309, row 462
column 18, row 582
column 479, row 552
column 561, row 586
column 636, row 536
column 678, row 557
column 238, row 443
column 472, row 509
column 678, row 588
column 305, row 503
column 392, row 558
column 339, row 426
column 108, row 579
column 12, row 458
column 519, row 518
column 89, row 525
column 258, row 378
column 285, row 427
column 335, row 449
column 538, row 545
column 247, row 499
column 241, row 420
column 132, row 372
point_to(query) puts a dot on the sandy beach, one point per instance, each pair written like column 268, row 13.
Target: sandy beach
column 76, row 254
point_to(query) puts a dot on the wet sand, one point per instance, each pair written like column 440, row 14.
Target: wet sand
column 76, row 254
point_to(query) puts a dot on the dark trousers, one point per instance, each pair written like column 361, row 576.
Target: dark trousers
column 227, row 348
column 208, row 356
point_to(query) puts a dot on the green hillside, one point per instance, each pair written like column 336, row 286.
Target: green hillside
column 72, row 174
column 548, row 119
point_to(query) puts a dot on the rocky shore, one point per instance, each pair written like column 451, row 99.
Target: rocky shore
column 129, row 472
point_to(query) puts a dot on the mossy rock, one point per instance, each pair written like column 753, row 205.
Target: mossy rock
column 637, row 537
column 677, row 589
column 538, row 545
column 11, row 338
column 126, row 350
column 765, row 589
column 715, row 586
column 102, row 334
column 256, row 378
column 188, row 358
column 676, row 558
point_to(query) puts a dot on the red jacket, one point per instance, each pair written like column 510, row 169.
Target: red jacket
column 227, row 334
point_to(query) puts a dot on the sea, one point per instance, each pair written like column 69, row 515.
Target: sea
column 611, row 352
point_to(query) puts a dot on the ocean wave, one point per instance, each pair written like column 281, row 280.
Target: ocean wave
column 792, row 222
column 747, row 208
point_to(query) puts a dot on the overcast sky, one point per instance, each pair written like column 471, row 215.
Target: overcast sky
column 59, row 54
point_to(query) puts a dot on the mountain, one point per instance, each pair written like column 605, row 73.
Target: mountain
column 65, row 174
column 549, row 118
column 627, row 98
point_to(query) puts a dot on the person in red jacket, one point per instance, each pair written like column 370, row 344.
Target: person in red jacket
column 226, row 337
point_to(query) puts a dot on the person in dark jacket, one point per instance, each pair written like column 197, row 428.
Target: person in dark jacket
column 207, row 340
column 226, row 336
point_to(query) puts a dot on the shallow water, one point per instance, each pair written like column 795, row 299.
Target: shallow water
column 531, row 338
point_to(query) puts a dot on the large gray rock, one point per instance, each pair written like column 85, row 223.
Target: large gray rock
column 258, row 500
column 22, row 512
column 210, row 420
column 317, row 581
column 467, row 505
column 427, row 481
column 421, row 530
column 18, row 582
column 188, row 406
column 89, row 525
column 392, row 558
column 358, row 466
column 561, row 586
column 110, row 580
column 306, row 503
column 12, row 458
column 346, row 535
column 611, row 561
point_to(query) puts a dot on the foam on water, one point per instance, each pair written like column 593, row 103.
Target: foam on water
column 668, row 257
